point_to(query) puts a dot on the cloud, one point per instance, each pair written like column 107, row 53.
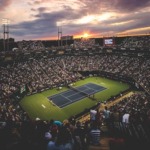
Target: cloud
column 40, row 18
column 45, row 24
column 37, row 2
column 4, row 4
column 130, row 5
column 114, row 5
column 42, row 9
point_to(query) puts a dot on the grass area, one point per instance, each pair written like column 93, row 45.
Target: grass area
column 38, row 105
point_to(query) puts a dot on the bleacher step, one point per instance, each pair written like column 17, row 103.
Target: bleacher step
column 103, row 146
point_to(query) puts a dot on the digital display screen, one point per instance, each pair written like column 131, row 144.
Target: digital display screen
column 109, row 42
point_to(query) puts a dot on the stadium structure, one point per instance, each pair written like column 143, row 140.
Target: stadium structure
column 42, row 82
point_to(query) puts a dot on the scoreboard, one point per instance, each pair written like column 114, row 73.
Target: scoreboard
column 108, row 42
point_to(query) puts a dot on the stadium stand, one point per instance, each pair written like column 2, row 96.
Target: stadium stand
column 30, row 45
column 37, row 73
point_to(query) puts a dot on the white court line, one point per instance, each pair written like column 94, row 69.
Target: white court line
column 66, row 104
column 43, row 106
column 77, row 92
column 102, row 89
column 74, row 94
column 75, row 100
column 53, row 96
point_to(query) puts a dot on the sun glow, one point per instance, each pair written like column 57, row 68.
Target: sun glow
column 85, row 35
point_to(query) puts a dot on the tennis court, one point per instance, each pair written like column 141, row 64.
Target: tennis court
column 72, row 95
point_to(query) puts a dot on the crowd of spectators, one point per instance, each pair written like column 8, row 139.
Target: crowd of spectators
column 136, row 42
column 22, row 133
column 130, row 119
column 38, row 75
column 84, row 43
column 49, row 135
column 134, row 67
column 44, row 73
column 51, row 72
column 11, row 111
column 136, row 105
column 131, row 42
column 30, row 45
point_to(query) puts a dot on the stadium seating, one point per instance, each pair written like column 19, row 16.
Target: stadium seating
column 36, row 74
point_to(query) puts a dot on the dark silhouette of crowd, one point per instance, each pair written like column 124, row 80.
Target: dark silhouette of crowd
column 128, row 121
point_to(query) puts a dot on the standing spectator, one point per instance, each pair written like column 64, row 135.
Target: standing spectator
column 93, row 115
column 106, row 115
column 125, row 118
column 99, row 117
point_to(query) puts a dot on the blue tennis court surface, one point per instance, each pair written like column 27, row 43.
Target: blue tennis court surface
column 70, row 96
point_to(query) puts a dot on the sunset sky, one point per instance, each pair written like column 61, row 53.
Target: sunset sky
column 39, row 19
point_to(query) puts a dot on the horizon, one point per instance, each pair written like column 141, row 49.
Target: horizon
column 77, row 38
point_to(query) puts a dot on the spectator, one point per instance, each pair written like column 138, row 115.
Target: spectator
column 125, row 118
column 93, row 115
column 106, row 115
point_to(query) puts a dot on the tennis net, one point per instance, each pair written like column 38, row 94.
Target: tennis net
column 91, row 96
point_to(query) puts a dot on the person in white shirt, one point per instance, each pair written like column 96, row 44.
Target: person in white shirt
column 93, row 114
column 125, row 118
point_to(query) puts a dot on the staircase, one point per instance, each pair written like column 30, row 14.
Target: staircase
column 104, row 144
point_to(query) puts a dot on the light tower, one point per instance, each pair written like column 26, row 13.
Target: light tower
column 5, row 23
column 59, row 36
